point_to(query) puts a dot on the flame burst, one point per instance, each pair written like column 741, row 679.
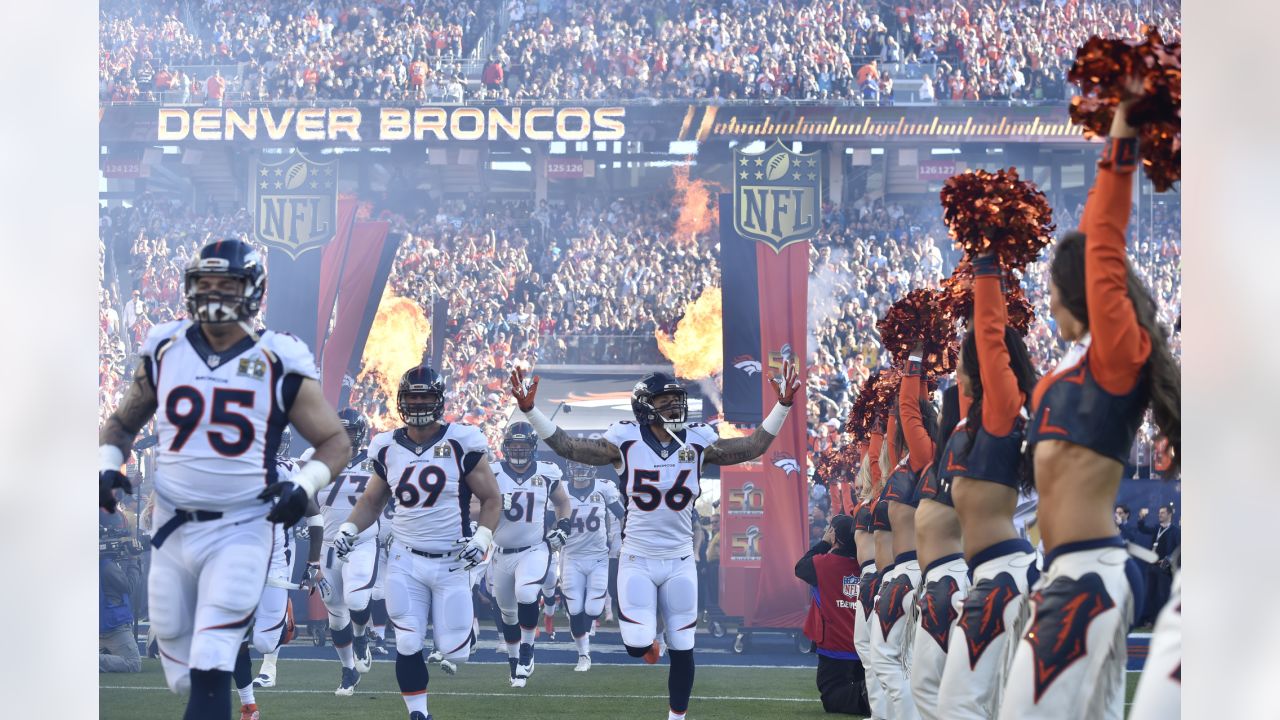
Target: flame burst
column 697, row 205
column 729, row 430
column 397, row 339
column 696, row 349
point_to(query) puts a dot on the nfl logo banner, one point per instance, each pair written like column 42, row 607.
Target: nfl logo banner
column 777, row 195
column 294, row 202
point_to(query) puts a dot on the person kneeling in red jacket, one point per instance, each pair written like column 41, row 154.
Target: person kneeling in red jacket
column 831, row 568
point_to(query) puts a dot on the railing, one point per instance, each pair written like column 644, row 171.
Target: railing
column 599, row 350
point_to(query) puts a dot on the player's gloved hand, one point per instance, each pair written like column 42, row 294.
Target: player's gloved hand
column 346, row 539
column 387, row 544
column 506, row 501
column 108, row 481
column 302, row 532
column 291, row 502
column 315, row 580
column 476, row 548
column 559, row 535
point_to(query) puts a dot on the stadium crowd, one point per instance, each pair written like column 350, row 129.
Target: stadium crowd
column 404, row 51
column 526, row 284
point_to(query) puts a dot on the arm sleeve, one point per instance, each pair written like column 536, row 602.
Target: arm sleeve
column 918, row 440
column 1001, row 398
column 891, row 434
column 1120, row 347
column 806, row 569
column 873, row 448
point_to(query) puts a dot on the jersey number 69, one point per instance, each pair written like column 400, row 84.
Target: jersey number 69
column 431, row 480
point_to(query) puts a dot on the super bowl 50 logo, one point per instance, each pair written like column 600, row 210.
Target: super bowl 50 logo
column 746, row 544
column 746, row 500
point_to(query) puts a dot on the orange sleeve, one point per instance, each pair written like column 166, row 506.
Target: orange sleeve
column 890, row 436
column 877, row 438
column 1120, row 347
column 1001, row 398
column 836, row 492
column 918, row 440
column 849, row 499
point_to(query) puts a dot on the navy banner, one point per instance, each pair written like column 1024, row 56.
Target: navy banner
column 741, row 317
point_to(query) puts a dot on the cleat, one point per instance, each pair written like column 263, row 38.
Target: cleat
column 595, row 625
column 549, row 625
column 524, row 666
column 517, row 682
column 380, row 647
column 651, row 657
column 448, row 667
column 350, row 679
column 662, row 646
column 584, row 663
column 364, row 659
column 264, row 681
column 435, row 657
column 249, row 712
column 418, row 716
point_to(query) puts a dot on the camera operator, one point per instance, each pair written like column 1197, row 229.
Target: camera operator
column 831, row 568
column 119, row 573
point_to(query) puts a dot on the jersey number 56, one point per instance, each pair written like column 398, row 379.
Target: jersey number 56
column 647, row 497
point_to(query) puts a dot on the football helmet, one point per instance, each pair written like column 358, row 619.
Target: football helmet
column 228, row 258
column 649, row 388
column 420, row 398
column 580, row 472
column 356, row 426
column 519, row 443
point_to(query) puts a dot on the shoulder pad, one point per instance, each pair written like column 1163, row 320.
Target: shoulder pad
column 294, row 354
column 162, row 333
column 549, row 469
column 470, row 437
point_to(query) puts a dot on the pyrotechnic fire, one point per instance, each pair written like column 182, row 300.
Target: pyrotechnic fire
column 396, row 342
column 729, row 430
column 697, row 205
column 696, row 348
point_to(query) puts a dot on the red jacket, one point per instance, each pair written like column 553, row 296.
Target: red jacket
column 833, row 581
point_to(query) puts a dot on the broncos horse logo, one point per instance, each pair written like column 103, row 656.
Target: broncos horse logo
column 786, row 463
column 1064, row 611
column 891, row 607
column 867, row 586
column 936, row 611
column 982, row 618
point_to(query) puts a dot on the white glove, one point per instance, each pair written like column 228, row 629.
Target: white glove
column 315, row 580
column 559, row 535
column 302, row 532
column 506, row 501
column 476, row 548
column 346, row 539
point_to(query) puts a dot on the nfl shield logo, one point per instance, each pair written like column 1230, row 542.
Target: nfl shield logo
column 777, row 195
column 294, row 202
column 851, row 587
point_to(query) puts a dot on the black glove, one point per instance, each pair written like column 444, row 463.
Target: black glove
column 108, row 481
column 291, row 502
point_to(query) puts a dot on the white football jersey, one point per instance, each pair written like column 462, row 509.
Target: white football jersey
column 338, row 498
column 433, row 502
column 524, row 523
column 590, row 518
column 660, row 485
column 220, row 414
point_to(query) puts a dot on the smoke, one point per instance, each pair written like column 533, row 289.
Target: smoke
column 828, row 288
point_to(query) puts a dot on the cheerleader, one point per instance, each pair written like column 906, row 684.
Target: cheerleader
column 1084, row 417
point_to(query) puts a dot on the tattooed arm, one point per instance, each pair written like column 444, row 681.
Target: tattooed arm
column 584, row 450
column 732, row 451
column 137, row 407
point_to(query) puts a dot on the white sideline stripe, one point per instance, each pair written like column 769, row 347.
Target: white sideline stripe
column 273, row 691
column 595, row 660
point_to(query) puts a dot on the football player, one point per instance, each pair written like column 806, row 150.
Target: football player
column 433, row 468
column 524, row 544
column 224, row 393
column 594, row 507
column 659, row 457
column 351, row 579
column 273, row 622
column 378, row 604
